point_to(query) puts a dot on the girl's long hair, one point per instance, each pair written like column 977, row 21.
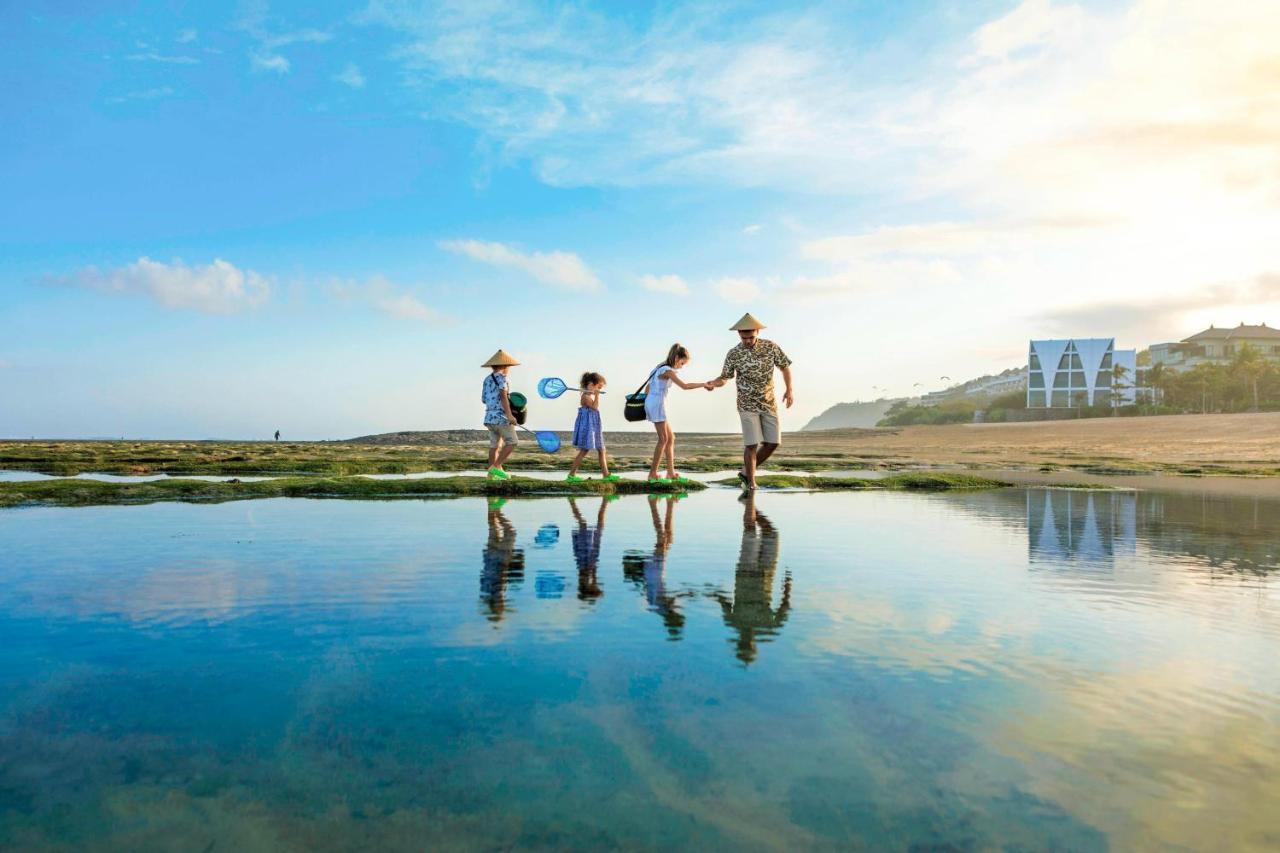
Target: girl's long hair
column 676, row 353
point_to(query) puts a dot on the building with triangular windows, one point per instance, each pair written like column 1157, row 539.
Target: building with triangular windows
column 1078, row 372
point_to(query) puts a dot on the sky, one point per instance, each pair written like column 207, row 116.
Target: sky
column 218, row 220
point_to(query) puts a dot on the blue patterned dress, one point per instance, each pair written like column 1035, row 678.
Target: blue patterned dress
column 587, row 432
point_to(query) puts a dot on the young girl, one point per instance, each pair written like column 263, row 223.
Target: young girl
column 587, row 435
column 655, row 410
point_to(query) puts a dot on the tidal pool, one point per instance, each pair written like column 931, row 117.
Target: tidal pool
column 1023, row 669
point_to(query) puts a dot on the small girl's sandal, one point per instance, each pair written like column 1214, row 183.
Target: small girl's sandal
column 612, row 478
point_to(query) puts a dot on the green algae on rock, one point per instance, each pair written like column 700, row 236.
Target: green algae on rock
column 74, row 492
column 939, row 481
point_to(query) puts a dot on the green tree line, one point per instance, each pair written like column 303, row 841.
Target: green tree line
column 1250, row 382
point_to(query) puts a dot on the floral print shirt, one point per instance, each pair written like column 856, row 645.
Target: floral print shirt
column 752, row 368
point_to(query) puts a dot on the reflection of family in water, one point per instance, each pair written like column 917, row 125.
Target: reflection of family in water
column 648, row 571
column 749, row 611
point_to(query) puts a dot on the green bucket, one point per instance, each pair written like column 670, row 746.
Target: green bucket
column 519, row 406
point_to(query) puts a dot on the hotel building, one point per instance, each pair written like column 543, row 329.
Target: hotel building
column 1072, row 373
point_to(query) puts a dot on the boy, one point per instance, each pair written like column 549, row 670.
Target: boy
column 498, row 418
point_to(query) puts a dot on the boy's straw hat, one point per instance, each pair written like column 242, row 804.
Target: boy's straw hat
column 501, row 358
column 747, row 323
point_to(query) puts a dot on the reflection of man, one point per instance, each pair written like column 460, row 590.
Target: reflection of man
column 503, row 562
column 750, row 365
column 750, row 612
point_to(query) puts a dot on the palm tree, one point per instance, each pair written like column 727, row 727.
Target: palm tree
column 1156, row 378
column 1119, row 384
column 1249, row 364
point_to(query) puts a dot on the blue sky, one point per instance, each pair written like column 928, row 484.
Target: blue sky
column 219, row 220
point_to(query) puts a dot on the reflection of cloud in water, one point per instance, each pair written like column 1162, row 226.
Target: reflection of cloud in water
column 1149, row 754
column 213, row 592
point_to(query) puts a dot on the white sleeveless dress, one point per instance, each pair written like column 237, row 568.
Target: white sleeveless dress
column 655, row 401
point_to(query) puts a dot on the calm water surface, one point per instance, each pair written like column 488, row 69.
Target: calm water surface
column 1021, row 669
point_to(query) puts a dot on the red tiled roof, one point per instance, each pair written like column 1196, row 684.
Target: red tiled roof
column 1241, row 331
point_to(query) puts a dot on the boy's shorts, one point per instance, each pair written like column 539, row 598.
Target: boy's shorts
column 759, row 427
column 502, row 434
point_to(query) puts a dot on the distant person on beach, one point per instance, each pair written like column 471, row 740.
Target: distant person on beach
column 277, row 435
column 498, row 418
column 661, row 378
column 750, row 364
column 588, row 435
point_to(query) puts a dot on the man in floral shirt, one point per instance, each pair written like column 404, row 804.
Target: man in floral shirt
column 750, row 364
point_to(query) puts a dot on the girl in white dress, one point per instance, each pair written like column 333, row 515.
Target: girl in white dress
column 655, row 411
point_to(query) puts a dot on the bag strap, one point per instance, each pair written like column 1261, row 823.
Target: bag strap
column 648, row 379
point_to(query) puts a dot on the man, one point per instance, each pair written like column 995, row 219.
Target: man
column 750, row 364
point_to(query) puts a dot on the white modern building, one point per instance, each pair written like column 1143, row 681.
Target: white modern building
column 1069, row 374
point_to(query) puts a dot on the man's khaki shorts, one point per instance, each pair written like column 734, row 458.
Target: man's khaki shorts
column 759, row 428
column 500, row 434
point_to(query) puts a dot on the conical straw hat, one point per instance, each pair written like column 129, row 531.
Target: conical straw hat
column 501, row 358
column 747, row 323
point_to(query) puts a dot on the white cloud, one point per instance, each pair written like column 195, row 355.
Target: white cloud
column 751, row 229
column 695, row 95
column 266, row 56
column 1032, row 25
column 307, row 36
column 152, row 56
column 5, row 365
column 351, row 76
column 187, row 36
column 389, row 299
column 144, row 95
column 219, row 288
column 672, row 284
column 1052, row 110
column 273, row 62
column 560, row 269
column 740, row 290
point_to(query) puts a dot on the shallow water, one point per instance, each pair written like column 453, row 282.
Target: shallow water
column 1037, row 669
column 32, row 476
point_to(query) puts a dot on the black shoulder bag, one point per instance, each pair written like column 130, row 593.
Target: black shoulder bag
column 634, row 408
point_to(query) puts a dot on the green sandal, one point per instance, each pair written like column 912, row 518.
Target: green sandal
column 498, row 474
column 612, row 478
column 574, row 478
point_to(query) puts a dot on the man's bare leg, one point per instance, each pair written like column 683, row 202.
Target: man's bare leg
column 749, row 464
column 765, row 451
